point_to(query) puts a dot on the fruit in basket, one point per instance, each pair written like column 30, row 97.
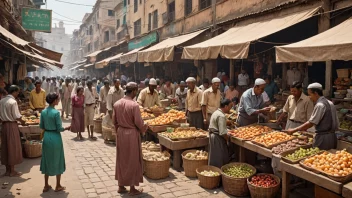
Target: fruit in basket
column 167, row 118
column 338, row 164
column 272, row 138
column 198, row 155
column 346, row 125
column 302, row 153
column 250, row 131
column 239, row 171
column 156, row 156
column 209, row 173
column 265, row 181
column 150, row 146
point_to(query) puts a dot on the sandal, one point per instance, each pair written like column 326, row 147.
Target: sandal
column 61, row 188
column 122, row 190
column 139, row 191
column 46, row 189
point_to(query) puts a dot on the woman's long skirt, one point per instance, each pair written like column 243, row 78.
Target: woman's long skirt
column 77, row 122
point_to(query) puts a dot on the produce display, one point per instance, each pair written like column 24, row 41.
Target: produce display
column 249, row 132
column 199, row 155
column 156, row 156
column 99, row 117
column 264, row 181
column 185, row 133
column 146, row 115
column 302, row 153
column 150, row 146
column 346, row 125
column 167, row 118
column 338, row 164
column 31, row 120
column 239, row 171
column 209, row 173
column 273, row 138
column 292, row 145
column 27, row 112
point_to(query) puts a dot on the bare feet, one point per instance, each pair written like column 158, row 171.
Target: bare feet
column 60, row 188
column 46, row 188
column 135, row 192
column 122, row 190
column 15, row 174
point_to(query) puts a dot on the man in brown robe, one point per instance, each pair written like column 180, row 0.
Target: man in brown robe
column 11, row 150
column 129, row 124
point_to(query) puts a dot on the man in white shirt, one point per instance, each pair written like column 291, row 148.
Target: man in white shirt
column 293, row 75
column 181, row 94
column 45, row 85
column 103, row 96
column 205, row 85
column 90, row 98
column 243, row 81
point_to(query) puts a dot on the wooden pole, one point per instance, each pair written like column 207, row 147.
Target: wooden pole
column 232, row 71
column 134, row 71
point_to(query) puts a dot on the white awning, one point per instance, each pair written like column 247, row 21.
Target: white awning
column 105, row 62
column 130, row 56
column 164, row 51
column 234, row 43
column 88, row 65
column 333, row 44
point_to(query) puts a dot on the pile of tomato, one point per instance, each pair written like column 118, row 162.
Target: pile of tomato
column 264, row 181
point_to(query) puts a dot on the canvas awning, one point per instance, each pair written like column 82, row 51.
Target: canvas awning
column 105, row 62
column 75, row 67
column 164, row 51
column 130, row 56
column 87, row 65
column 31, row 49
column 333, row 44
column 235, row 43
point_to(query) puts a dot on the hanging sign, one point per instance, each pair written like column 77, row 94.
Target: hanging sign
column 36, row 19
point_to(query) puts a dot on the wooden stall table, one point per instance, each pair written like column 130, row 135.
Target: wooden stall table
column 250, row 146
column 347, row 190
column 318, row 179
column 152, row 132
column 178, row 146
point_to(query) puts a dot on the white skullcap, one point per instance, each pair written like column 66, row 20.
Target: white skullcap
column 223, row 73
column 152, row 81
column 190, row 79
column 215, row 80
column 259, row 81
column 315, row 86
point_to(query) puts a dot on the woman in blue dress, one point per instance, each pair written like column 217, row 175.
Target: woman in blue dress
column 53, row 157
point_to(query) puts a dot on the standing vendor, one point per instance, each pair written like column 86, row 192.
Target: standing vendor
column 37, row 97
column 193, row 104
column 298, row 107
column 251, row 104
column 211, row 100
column 149, row 96
column 218, row 149
column 324, row 118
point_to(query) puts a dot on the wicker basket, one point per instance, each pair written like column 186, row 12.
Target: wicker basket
column 33, row 150
column 342, row 73
column 209, row 182
column 261, row 192
column 235, row 186
column 108, row 133
column 156, row 169
column 98, row 126
column 190, row 166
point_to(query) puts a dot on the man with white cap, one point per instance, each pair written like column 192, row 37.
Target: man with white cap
column 149, row 96
column 181, row 93
column 324, row 118
column 211, row 100
column 251, row 104
column 193, row 104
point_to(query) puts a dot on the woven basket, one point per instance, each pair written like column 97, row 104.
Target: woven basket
column 98, row 126
column 33, row 150
column 209, row 182
column 108, row 133
column 235, row 186
column 261, row 192
column 342, row 73
column 156, row 169
column 190, row 166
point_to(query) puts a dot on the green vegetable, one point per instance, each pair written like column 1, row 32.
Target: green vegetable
column 239, row 171
column 302, row 153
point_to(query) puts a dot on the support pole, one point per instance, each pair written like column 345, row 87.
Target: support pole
column 232, row 71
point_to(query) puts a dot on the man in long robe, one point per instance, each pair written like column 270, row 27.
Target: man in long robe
column 219, row 152
column 129, row 124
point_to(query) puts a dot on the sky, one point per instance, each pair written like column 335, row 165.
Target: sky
column 75, row 12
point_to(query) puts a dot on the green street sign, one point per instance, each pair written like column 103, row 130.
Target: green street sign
column 143, row 41
column 36, row 19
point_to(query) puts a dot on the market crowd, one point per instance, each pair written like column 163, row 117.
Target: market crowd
column 206, row 106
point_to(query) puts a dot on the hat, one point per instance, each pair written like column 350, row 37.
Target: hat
column 215, row 80
column 131, row 86
column 259, row 81
column 315, row 86
column 152, row 81
column 191, row 79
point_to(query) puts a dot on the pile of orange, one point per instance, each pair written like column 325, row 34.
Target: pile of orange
column 249, row 132
column 272, row 138
column 146, row 115
column 338, row 164
column 167, row 118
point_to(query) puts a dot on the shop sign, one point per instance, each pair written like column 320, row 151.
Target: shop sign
column 143, row 41
column 36, row 19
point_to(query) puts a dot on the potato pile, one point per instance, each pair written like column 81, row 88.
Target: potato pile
column 339, row 164
column 198, row 155
column 167, row 118
column 209, row 173
column 249, row 132
column 156, row 156
column 150, row 146
column 270, row 139
column 291, row 145
column 185, row 133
